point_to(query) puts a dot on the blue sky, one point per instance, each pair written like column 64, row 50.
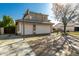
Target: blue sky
column 16, row 10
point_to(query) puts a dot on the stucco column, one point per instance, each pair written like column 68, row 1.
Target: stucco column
column 2, row 30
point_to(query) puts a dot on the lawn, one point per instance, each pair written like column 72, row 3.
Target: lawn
column 74, row 33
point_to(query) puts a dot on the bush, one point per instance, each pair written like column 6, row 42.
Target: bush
column 64, row 33
column 9, row 30
column 55, row 30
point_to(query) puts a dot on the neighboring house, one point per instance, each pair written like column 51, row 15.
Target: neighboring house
column 71, row 26
column 33, row 23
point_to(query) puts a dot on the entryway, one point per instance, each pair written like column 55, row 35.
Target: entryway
column 76, row 28
column 34, row 29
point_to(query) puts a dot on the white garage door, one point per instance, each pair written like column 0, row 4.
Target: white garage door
column 28, row 29
column 42, row 29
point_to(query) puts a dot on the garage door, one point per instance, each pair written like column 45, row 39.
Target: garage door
column 76, row 28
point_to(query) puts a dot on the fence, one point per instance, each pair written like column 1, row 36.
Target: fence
column 9, row 30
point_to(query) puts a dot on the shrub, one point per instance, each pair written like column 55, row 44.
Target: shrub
column 9, row 30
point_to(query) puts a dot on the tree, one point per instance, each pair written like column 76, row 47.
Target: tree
column 1, row 24
column 7, row 21
column 8, row 24
column 65, row 13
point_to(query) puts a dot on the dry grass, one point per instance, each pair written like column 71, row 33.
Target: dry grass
column 74, row 33
column 6, row 42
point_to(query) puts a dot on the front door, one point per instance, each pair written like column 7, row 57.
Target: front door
column 34, row 29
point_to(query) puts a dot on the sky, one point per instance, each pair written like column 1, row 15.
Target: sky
column 16, row 10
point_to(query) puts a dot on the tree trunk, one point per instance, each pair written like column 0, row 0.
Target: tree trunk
column 64, row 29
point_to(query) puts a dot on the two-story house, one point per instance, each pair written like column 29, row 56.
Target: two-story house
column 33, row 23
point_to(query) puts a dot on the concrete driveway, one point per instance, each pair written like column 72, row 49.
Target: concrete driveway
column 18, row 46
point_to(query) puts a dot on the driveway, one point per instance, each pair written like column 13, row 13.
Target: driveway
column 18, row 46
